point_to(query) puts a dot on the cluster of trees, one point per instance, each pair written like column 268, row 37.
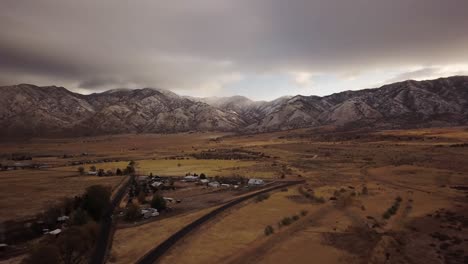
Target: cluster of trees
column 75, row 243
column 262, row 197
column 20, row 157
column 139, row 191
column 231, row 180
column 269, row 230
column 310, row 194
column 73, row 246
column 129, row 170
column 133, row 212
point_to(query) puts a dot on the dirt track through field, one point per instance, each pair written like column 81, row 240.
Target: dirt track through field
column 254, row 254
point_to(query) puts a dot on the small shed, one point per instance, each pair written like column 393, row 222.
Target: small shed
column 156, row 184
column 190, row 178
column 55, row 232
column 214, row 184
column 62, row 218
column 256, row 182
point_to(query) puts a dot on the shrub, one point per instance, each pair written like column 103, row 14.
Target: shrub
column 319, row 199
column 129, row 170
column 386, row 215
column 393, row 209
column 365, row 191
column 81, row 170
column 286, row 221
column 304, row 212
column 261, row 197
column 158, row 202
column 132, row 213
column 79, row 217
column 269, row 230
column 295, row 217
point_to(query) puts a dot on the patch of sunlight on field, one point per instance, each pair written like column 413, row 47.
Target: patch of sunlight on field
column 181, row 167
column 165, row 167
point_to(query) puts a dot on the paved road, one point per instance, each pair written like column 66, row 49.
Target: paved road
column 157, row 252
column 106, row 230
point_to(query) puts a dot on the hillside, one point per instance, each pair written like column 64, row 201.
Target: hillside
column 29, row 110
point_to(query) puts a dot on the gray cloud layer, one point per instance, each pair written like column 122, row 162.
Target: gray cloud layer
column 195, row 44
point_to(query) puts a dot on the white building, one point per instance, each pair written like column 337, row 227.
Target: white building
column 256, row 182
column 191, row 178
column 62, row 218
column 55, row 232
column 156, row 184
column 214, row 184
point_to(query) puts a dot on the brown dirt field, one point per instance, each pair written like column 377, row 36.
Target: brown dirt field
column 26, row 192
column 235, row 229
column 132, row 243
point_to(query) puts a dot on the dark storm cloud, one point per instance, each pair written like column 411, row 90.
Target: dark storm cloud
column 172, row 44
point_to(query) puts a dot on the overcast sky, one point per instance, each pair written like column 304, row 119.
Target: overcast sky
column 257, row 48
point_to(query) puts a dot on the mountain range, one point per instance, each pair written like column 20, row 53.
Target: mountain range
column 27, row 110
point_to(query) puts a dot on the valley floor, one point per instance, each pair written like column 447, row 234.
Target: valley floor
column 342, row 213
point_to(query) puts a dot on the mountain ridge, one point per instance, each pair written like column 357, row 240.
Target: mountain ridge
column 29, row 110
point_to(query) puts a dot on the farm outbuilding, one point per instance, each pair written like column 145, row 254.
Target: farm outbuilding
column 256, row 182
column 214, row 184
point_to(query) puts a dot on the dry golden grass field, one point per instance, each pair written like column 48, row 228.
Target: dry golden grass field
column 351, row 181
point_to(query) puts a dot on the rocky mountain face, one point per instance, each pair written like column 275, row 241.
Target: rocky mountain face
column 440, row 102
column 28, row 110
column 250, row 111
